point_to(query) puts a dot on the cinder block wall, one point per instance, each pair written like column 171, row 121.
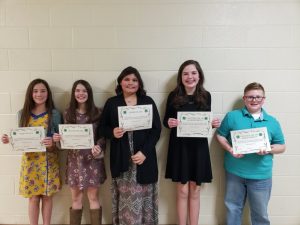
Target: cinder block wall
column 236, row 42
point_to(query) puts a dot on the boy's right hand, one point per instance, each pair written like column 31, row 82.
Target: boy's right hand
column 56, row 137
column 236, row 155
column 5, row 139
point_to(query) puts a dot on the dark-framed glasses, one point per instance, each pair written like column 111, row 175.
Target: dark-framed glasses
column 256, row 98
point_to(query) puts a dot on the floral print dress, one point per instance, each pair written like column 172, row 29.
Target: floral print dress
column 83, row 170
column 39, row 170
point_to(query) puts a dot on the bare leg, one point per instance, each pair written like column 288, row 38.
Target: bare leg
column 34, row 210
column 93, row 196
column 77, row 196
column 194, row 203
column 46, row 209
column 182, row 202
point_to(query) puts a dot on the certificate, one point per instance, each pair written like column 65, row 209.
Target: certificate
column 137, row 117
column 76, row 136
column 28, row 139
column 194, row 124
column 250, row 140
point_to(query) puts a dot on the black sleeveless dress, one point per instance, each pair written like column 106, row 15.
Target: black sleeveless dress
column 188, row 157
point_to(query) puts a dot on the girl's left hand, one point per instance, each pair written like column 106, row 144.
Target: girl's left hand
column 48, row 142
column 215, row 123
column 138, row 158
column 172, row 122
column 56, row 137
column 96, row 150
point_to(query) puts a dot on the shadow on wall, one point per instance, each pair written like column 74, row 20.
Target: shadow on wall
column 220, row 210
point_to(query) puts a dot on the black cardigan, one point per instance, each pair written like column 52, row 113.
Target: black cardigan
column 143, row 140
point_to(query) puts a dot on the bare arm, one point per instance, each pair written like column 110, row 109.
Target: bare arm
column 224, row 143
column 226, row 146
column 277, row 148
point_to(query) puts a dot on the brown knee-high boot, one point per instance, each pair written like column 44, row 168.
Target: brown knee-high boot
column 75, row 216
column 96, row 216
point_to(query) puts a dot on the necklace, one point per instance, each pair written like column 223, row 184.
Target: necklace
column 131, row 101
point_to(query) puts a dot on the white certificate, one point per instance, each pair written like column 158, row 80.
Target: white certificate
column 137, row 117
column 194, row 124
column 250, row 140
column 28, row 139
column 76, row 136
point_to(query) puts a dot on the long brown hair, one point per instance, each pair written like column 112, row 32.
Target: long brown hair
column 200, row 94
column 29, row 103
column 92, row 111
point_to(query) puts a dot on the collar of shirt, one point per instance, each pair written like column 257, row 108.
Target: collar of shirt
column 263, row 116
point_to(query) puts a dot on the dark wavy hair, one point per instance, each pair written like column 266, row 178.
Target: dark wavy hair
column 92, row 111
column 200, row 94
column 29, row 103
column 127, row 71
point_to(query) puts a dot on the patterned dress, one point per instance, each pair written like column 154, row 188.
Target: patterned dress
column 83, row 170
column 39, row 170
column 133, row 203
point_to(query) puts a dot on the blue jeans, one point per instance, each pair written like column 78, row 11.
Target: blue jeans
column 258, row 193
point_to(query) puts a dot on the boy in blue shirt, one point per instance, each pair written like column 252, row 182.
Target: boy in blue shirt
column 249, row 175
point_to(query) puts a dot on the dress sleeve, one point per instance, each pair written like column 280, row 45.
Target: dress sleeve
column 208, row 101
column 170, row 111
column 19, row 114
column 56, row 120
column 105, row 128
column 100, row 140
column 154, row 133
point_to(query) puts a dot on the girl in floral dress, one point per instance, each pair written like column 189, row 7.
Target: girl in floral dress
column 85, row 167
column 39, row 177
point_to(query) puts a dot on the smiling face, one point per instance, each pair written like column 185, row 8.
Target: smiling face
column 39, row 94
column 81, row 94
column 254, row 100
column 130, row 84
column 190, row 78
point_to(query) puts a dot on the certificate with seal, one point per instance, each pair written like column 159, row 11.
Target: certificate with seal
column 137, row 117
column 28, row 139
column 250, row 140
column 194, row 124
column 76, row 136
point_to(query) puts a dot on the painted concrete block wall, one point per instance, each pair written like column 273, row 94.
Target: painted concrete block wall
column 236, row 42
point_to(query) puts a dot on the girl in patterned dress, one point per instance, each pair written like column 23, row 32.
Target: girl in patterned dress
column 39, row 177
column 133, row 160
column 85, row 167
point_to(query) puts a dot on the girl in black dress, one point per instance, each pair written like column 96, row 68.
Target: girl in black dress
column 188, row 161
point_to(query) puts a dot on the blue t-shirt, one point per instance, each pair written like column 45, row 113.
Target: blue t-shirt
column 251, row 166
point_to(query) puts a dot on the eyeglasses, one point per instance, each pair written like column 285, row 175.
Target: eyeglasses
column 252, row 98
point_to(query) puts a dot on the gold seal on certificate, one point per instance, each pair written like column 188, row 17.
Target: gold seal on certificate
column 76, row 136
column 137, row 117
column 250, row 140
column 194, row 124
column 28, row 139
